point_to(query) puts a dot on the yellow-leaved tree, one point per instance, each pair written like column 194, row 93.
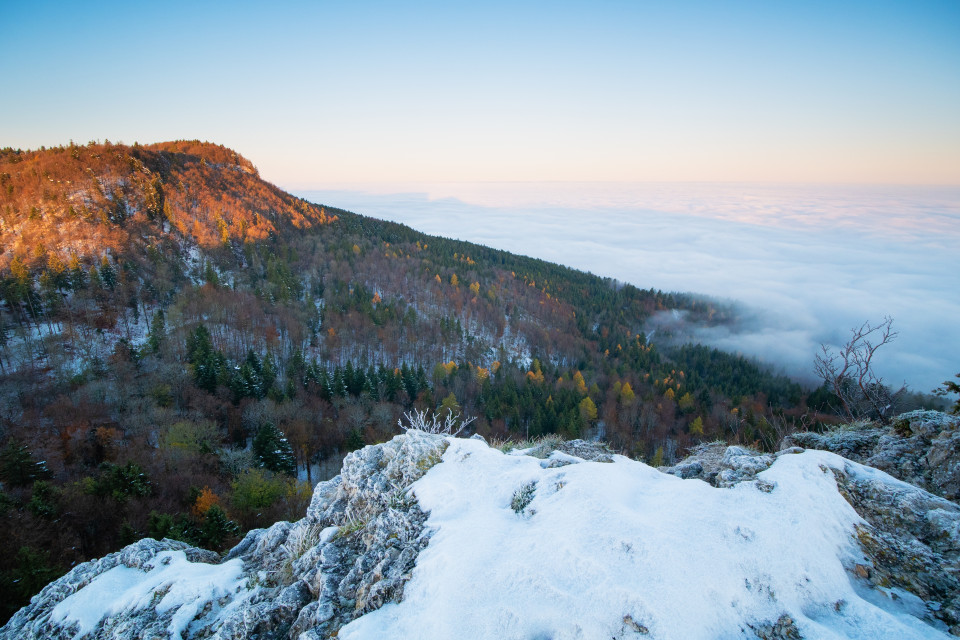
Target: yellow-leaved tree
column 696, row 427
column 588, row 410
column 579, row 382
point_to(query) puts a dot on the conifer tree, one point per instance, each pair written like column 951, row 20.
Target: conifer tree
column 18, row 467
column 76, row 274
column 108, row 276
column 157, row 331
column 272, row 450
column 217, row 528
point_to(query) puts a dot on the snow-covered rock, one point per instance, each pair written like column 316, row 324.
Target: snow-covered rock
column 433, row 537
column 919, row 447
column 352, row 552
column 721, row 465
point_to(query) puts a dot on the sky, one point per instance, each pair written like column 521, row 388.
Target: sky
column 317, row 93
column 698, row 146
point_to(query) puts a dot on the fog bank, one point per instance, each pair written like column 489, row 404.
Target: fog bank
column 810, row 262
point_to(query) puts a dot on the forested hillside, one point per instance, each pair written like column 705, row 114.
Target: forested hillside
column 180, row 341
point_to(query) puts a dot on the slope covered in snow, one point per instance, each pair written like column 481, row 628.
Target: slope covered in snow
column 433, row 537
column 608, row 550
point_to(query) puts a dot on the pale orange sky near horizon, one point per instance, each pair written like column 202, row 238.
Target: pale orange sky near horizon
column 795, row 157
column 318, row 93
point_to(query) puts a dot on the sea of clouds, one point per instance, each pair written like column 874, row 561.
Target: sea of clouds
column 808, row 263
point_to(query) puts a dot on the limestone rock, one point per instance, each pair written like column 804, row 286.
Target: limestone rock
column 911, row 541
column 352, row 553
column 919, row 447
column 911, row 537
column 589, row 451
column 721, row 465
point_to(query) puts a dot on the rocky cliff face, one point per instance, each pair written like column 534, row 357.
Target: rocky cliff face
column 919, row 447
column 911, row 534
column 563, row 541
column 351, row 553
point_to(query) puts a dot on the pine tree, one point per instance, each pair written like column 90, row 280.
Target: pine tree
column 157, row 331
column 354, row 440
column 216, row 528
column 272, row 450
column 17, row 466
column 108, row 276
column 77, row 275
column 209, row 365
column 949, row 387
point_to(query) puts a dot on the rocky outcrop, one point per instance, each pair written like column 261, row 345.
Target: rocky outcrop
column 919, row 447
column 587, row 451
column 565, row 451
column 910, row 538
column 725, row 466
column 331, row 573
column 352, row 553
column 911, row 542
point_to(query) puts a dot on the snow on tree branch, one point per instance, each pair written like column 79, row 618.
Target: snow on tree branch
column 451, row 425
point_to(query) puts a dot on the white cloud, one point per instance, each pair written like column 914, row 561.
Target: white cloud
column 812, row 262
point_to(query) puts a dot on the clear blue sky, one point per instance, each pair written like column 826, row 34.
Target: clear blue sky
column 316, row 93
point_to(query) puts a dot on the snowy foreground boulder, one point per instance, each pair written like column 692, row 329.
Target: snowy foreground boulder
column 920, row 447
column 433, row 537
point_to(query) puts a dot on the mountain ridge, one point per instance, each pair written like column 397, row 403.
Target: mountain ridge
column 181, row 354
column 109, row 195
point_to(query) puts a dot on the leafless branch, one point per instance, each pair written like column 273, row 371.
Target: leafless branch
column 849, row 372
column 451, row 425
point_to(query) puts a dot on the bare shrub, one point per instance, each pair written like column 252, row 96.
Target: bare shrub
column 450, row 425
column 849, row 373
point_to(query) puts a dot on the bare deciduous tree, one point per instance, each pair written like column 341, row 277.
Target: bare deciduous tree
column 451, row 425
column 850, row 375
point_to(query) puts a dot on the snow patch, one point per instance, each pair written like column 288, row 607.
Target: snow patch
column 186, row 588
column 598, row 545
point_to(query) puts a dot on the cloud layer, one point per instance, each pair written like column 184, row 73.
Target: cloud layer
column 809, row 262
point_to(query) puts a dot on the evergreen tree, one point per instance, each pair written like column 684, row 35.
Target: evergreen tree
column 157, row 331
column 216, row 528
column 350, row 379
column 31, row 571
column 392, row 385
column 121, row 482
column 950, row 387
column 338, row 386
column 76, row 274
column 108, row 276
column 370, row 384
column 355, row 440
column 18, row 467
column 272, row 451
column 247, row 381
column 43, row 502
column 209, row 365
column 269, row 375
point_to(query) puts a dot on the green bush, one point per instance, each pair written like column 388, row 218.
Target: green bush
column 257, row 489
